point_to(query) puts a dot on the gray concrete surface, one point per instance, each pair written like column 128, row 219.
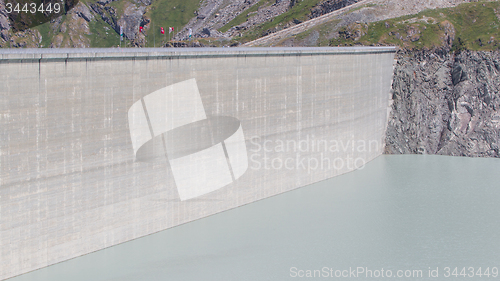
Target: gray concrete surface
column 69, row 181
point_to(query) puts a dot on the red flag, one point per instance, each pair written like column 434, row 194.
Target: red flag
column 170, row 29
column 140, row 28
column 162, row 31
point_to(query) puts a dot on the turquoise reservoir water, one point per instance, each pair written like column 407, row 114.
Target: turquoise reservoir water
column 410, row 215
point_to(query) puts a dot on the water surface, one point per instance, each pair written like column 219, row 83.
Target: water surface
column 405, row 212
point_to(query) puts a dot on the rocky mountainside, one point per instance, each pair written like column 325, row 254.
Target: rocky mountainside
column 445, row 103
column 97, row 23
column 88, row 24
column 252, row 19
column 360, row 24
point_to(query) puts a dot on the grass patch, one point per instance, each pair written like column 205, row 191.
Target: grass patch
column 98, row 36
column 118, row 5
column 168, row 13
column 305, row 34
column 474, row 23
column 46, row 32
column 324, row 31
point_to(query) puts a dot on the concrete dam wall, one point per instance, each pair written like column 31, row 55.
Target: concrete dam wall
column 98, row 147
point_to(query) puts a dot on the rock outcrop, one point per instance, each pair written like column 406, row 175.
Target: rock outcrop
column 330, row 6
column 107, row 13
column 133, row 15
column 83, row 11
column 4, row 18
column 445, row 103
column 130, row 20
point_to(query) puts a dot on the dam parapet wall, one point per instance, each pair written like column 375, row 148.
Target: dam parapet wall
column 102, row 146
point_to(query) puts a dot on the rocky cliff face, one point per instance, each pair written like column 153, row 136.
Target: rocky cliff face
column 445, row 103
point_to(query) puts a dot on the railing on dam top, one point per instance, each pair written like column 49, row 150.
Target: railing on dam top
column 13, row 55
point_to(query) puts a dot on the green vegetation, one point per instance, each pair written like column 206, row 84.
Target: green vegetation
column 473, row 26
column 45, row 31
column 305, row 34
column 119, row 6
column 171, row 13
column 102, row 35
column 361, row 7
column 323, row 32
column 48, row 34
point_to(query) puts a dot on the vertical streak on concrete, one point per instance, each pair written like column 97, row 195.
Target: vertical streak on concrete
column 237, row 90
column 217, row 105
column 299, row 98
